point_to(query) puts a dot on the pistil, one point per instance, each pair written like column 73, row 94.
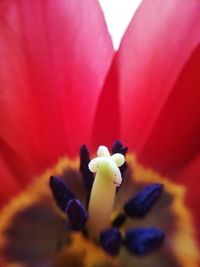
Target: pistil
column 108, row 177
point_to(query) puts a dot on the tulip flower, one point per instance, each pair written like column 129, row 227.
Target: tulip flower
column 63, row 86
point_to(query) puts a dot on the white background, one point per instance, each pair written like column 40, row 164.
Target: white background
column 118, row 14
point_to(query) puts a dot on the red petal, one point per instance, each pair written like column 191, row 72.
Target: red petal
column 174, row 138
column 54, row 57
column 106, row 128
column 159, row 41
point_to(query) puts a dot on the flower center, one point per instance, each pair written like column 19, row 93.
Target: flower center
column 138, row 241
column 34, row 229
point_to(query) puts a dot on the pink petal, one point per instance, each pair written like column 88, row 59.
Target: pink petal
column 54, row 58
column 174, row 138
column 158, row 98
column 106, row 127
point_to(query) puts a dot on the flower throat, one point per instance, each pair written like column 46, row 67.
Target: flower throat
column 94, row 220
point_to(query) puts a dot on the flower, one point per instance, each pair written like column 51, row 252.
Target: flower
column 55, row 58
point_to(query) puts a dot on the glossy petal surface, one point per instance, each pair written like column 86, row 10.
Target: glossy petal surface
column 54, row 56
column 157, row 85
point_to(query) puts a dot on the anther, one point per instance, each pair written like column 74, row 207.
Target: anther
column 119, row 220
column 139, row 205
column 77, row 215
column 88, row 177
column 61, row 193
column 141, row 241
column 119, row 148
column 111, row 241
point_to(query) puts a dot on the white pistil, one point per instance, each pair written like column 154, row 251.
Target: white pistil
column 108, row 177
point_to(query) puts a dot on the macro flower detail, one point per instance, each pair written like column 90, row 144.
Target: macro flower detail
column 139, row 205
column 86, row 173
column 61, row 193
column 111, row 240
column 108, row 176
column 141, row 241
column 60, row 234
column 63, row 85
column 77, row 214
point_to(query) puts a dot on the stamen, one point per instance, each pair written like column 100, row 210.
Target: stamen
column 111, row 241
column 119, row 148
column 139, row 205
column 62, row 195
column 88, row 177
column 77, row 214
column 141, row 241
column 119, row 220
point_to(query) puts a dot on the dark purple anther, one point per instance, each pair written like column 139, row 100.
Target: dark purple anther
column 119, row 148
column 119, row 220
column 77, row 215
column 61, row 193
column 141, row 241
column 139, row 205
column 111, row 241
column 87, row 175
